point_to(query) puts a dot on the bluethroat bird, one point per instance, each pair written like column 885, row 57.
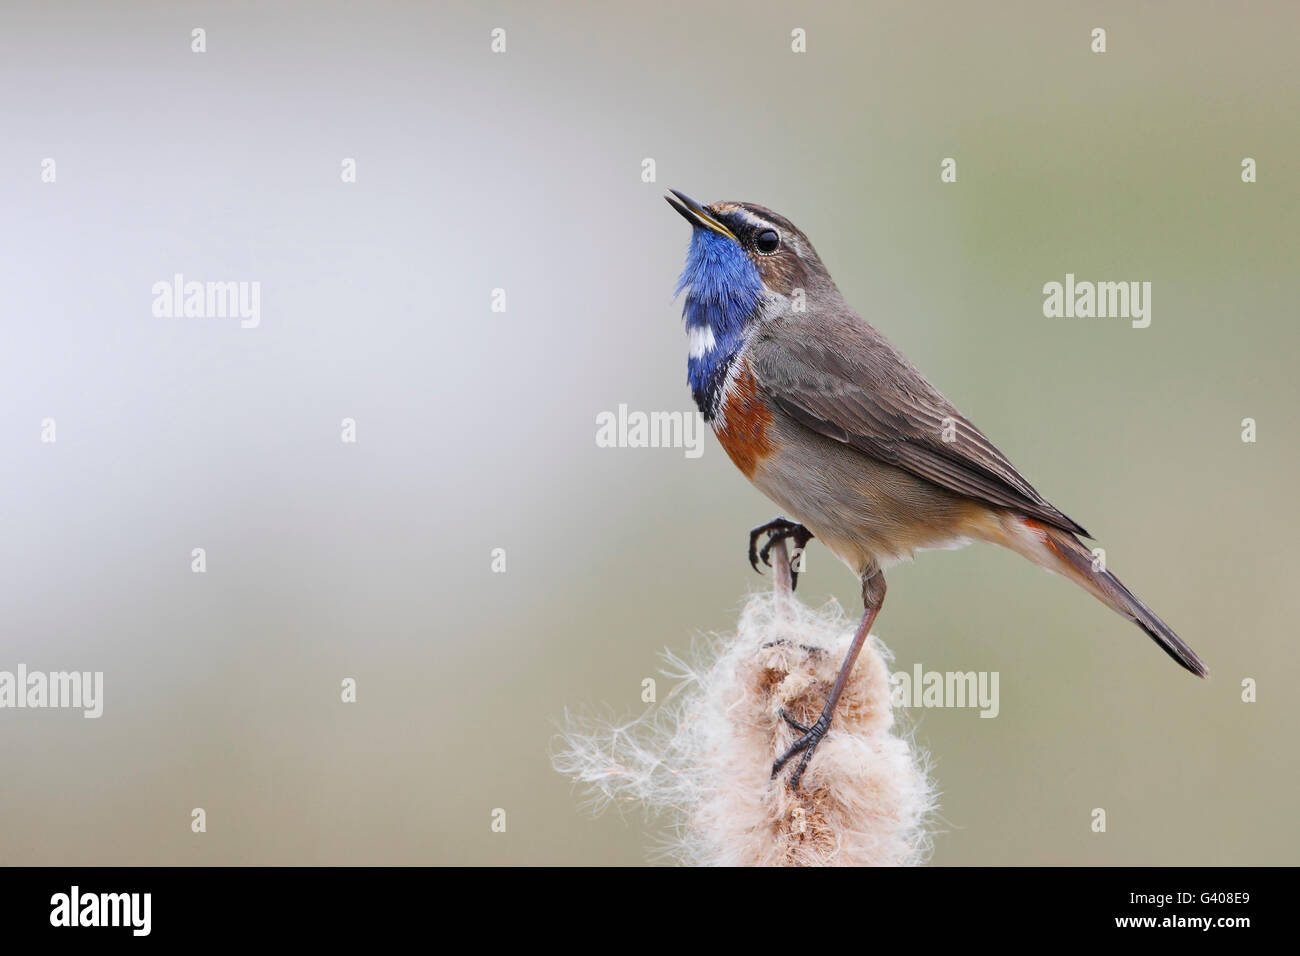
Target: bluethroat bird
column 832, row 423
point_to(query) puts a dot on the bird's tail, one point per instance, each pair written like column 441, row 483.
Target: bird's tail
column 1062, row 552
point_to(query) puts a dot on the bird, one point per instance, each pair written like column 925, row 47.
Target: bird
column 831, row 422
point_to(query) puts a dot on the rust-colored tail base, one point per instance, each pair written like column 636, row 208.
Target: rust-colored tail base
column 1062, row 552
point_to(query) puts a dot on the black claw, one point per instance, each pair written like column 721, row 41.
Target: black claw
column 772, row 527
column 798, row 771
column 812, row 736
column 794, row 723
column 778, row 529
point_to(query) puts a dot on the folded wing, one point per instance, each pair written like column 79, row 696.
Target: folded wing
column 848, row 383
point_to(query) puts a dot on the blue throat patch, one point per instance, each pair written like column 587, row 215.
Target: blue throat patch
column 723, row 291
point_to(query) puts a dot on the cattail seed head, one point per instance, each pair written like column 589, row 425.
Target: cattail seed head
column 704, row 756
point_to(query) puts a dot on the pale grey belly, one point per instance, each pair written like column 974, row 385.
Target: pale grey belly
column 863, row 510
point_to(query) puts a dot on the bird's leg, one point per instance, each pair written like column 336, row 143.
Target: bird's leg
column 778, row 529
column 873, row 596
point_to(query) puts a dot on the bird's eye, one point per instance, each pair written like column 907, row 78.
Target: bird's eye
column 768, row 241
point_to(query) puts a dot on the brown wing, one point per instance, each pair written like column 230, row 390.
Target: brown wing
column 843, row 379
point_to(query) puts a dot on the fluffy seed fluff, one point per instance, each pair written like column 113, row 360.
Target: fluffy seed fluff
column 703, row 758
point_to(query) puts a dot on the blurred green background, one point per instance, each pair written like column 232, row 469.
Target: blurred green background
column 476, row 430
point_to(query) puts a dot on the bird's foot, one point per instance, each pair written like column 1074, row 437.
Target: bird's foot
column 779, row 529
column 806, row 744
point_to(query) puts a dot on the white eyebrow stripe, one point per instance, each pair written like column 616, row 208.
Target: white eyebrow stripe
column 753, row 219
column 701, row 341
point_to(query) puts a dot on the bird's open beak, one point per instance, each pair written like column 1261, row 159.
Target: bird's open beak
column 696, row 214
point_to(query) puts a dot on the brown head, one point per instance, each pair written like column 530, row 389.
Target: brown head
column 784, row 257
